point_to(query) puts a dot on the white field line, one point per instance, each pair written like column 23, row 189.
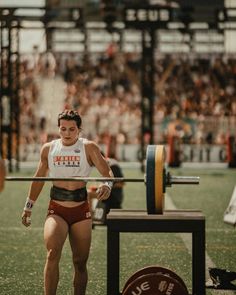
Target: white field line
column 187, row 239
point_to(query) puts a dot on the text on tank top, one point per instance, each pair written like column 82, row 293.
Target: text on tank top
column 68, row 161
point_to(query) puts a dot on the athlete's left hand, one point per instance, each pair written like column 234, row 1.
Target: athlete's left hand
column 103, row 192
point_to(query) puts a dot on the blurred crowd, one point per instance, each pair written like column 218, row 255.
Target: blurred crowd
column 33, row 122
column 195, row 98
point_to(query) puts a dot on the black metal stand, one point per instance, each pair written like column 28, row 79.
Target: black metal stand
column 176, row 221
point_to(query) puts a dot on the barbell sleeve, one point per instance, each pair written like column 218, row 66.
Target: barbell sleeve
column 184, row 180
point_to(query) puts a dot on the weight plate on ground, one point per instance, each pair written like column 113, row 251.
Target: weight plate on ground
column 155, row 284
column 155, row 269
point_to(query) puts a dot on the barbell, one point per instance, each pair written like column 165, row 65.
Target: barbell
column 156, row 179
column 156, row 280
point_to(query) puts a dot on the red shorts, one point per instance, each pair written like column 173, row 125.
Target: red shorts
column 72, row 214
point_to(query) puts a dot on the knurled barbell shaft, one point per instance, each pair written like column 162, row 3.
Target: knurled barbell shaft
column 170, row 180
column 85, row 179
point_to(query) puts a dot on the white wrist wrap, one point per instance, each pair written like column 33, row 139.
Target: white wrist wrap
column 108, row 184
column 28, row 204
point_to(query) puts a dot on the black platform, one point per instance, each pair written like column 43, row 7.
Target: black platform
column 175, row 221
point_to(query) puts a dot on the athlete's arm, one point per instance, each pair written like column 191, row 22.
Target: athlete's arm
column 42, row 170
column 36, row 186
column 96, row 159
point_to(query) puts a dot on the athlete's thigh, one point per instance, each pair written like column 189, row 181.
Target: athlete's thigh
column 55, row 232
column 80, row 238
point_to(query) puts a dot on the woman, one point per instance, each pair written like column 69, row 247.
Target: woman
column 68, row 211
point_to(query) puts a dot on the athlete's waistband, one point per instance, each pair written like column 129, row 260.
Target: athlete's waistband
column 61, row 194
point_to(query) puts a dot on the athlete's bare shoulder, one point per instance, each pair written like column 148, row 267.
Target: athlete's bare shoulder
column 47, row 145
column 91, row 146
column 45, row 148
column 93, row 152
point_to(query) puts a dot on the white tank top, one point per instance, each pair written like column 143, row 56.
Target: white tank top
column 68, row 161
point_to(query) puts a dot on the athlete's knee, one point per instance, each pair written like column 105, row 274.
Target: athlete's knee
column 53, row 255
column 80, row 264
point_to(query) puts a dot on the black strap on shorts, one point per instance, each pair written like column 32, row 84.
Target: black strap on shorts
column 61, row 194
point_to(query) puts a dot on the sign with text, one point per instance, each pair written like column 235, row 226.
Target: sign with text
column 146, row 17
column 158, row 16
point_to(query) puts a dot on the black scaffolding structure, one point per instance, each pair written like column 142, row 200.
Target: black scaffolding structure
column 11, row 19
column 9, row 92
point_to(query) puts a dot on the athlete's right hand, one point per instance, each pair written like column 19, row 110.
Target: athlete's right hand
column 26, row 218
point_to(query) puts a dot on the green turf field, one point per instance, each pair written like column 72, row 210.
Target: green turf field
column 22, row 251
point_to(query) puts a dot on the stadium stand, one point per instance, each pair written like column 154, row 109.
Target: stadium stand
column 195, row 97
